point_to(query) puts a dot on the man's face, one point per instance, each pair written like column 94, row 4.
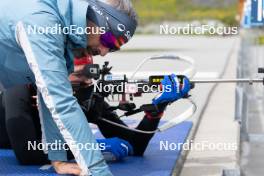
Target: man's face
column 94, row 46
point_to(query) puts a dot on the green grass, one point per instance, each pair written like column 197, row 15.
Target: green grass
column 182, row 10
column 261, row 40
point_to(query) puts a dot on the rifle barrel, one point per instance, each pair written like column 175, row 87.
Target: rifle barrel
column 242, row 80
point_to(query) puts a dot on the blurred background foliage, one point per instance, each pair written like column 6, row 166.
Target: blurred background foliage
column 152, row 11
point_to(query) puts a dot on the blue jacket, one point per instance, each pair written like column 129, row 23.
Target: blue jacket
column 46, row 59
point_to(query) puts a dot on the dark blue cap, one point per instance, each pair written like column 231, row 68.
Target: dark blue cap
column 116, row 21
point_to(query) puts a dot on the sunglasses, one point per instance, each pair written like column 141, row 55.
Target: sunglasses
column 108, row 40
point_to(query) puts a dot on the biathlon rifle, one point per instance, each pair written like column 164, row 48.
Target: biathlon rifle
column 125, row 88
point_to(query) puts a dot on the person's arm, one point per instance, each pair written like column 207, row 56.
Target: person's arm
column 45, row 56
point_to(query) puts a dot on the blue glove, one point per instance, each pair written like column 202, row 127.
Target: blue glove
column 116, row 146
column 172, row 90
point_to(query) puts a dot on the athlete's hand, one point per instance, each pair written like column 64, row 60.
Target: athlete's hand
column 116, row 146
column 66, row 168
column 78, row 78
column 172, row 90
